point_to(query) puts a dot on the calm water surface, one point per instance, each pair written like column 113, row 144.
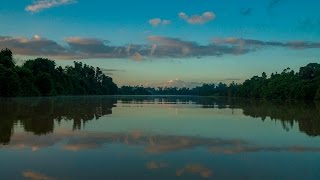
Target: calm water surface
column 158, row 138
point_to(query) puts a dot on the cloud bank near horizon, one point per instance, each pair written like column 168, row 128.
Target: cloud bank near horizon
column 156, row 47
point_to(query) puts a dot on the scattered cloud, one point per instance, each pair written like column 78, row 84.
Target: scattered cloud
column 33, row 47
column 179, row 84
column 110, row 72
column 198, row 19
column 85, row 41
column 158, row 21
column 37, row 37
column 137, row 57
column 40, row 5
column 153, row 49
column 254, row 44
column 35, row 176
column 155, row 21
column 246, row 11
column 157, row 47
column 166, row 22
column 174, row 47
column 89, row 47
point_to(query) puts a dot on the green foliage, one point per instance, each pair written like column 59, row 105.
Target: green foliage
column 42, row 77
column 27, row 82
column 6, row 59
column 44, row 84
column 40, row 65
column 9, row 82
column 309, row 72
column 318, row 94
column 287, row 85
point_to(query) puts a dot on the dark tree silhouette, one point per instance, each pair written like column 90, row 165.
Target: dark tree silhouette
column 41, row 77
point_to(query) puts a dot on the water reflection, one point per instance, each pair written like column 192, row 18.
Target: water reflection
column 38, row 115
column 35, row 176
column 156, row 165
column 152, row 144
column 158, row 137
column 195, row 169
column 306, row 114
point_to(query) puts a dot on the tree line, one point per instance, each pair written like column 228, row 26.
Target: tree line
column 288, row 84
column 41, row 77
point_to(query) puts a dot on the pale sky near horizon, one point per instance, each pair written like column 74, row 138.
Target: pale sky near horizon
column 167, row 42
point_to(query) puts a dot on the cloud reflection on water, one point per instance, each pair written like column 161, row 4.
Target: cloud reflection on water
column 152, row 143
column 197, row 169
column 35, row 176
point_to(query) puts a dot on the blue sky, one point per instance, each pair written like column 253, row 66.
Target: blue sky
column 167, row 42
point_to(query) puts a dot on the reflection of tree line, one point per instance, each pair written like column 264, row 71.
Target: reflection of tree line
column 39, row 115
column 205, row 102
column 306, row 114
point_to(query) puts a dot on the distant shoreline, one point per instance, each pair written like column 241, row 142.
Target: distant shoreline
column 41, row 77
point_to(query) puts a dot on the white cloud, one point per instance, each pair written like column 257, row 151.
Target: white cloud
column 166, row 22
column 36, row 37
column 180, row 84
column 158, row 21
column 158, row 47
column 153, row 49
column 85, row 41
column 155, row 21
column 137, row 57
column 40, row 5
column 198, row 19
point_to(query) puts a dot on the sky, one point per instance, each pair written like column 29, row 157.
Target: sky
column 166, row 42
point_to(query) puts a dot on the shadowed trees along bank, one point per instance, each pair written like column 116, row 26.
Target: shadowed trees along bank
column 288, row 84
column 41, row 77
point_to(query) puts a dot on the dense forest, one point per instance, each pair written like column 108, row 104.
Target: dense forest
column 288, row 84
column 41, row 77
